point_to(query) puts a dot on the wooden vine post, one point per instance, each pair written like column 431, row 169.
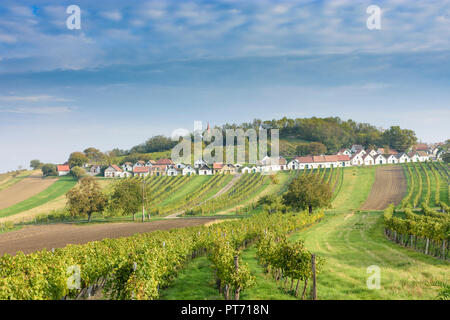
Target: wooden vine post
column 313, row 269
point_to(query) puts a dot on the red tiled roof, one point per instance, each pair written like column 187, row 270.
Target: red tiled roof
column 141, row 169
column 422, row 153
column 152, row 161
column 343, row 157
column 63, row 168
column 304, row 159
column 217, row 165
column 116, row 168
column 421, row 147
column 164, row 162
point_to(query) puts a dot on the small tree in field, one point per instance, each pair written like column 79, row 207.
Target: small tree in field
column 35, row 164
column 307, row 192
column 127, row 196
column 78, row 172
column 86, row 198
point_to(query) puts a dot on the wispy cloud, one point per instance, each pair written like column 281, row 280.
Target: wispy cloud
column 36, row 110
column 37, row 98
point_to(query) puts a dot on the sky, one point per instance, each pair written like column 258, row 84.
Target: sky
column 141, row 68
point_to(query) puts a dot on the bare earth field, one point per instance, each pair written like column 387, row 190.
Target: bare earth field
column 34, row 238
column 24, row 189
column 390, row 187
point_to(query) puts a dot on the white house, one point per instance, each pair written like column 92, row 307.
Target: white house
column 63, row 170
column 372, row 152
column 188, row 171
column 199, row 163
column 356, row 160
column 172, row 172
column 113, row 171
column 127, row 166
column 205, row 171
column 141, row 171
column 392, row 159
column 423, row 156
column 346, row 152
column 179, row 166
column 414, row 157
column 293, row 165
column 95, row 169
column 368, row 160
column 380, row 159
column 139, row 164
column 246, row 170
column 150, row 163
column 403, row 158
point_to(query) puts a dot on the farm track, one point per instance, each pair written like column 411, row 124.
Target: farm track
column 390, row 187
column 24, row 189
column 35, row 238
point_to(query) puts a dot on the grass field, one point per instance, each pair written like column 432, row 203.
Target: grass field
column 9, row 179
column 56, row 190
column 350, row 241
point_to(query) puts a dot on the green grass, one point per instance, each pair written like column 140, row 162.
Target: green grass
column 355, row 188
column 8, row 179
column 54, row 191
column 352, row 243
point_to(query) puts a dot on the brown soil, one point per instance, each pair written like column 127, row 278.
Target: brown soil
column 24, row 189
column 390, row 186
column 34, row 238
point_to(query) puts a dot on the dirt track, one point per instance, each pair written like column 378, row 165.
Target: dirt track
column 31, row 239
column 23, row 190
column 389, row 187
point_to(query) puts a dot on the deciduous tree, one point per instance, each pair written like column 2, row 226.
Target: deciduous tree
column 86, row 198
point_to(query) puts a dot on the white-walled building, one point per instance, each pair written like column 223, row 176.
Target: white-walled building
column 380, row 159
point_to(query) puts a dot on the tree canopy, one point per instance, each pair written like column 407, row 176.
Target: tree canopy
column 86, row 198
column 307, row 192
column 77, row 159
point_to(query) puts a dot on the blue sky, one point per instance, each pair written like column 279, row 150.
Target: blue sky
column 140, row 68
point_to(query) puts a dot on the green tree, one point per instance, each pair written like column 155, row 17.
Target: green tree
column 78, row 172
column 307, row 192
column 86, row 198
column 94, row 155
column 77, row 159
column 313, row 148
column 399, row 139
column 49, row 169
column 127, row 196
column 446, row 157
column 35, row 164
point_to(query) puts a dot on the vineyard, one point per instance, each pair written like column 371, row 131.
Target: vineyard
column 121, row 268
column 427, row 183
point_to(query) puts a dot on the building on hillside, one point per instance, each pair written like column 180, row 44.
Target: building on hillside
column 368, row 160
column 392, row 159
column 205, row 171
column 200, row 163
column 372, row 152
column 217, row 166
column 344, row 151
column 159, row 170
column 228, row 169
column 423, row 156
column 379, row 159
column 95, row 169
column 150, row 163
column 269, row 164
column 414, row 157
column 188, row 171
column 127, row 166
column 422, row 147
column 293, row 165
column 165, row 162
column 344, row 160
column 180, row 166
column 357, row 160
column 141, row 171
column 139, row 164
column 172, row 172
column 246, row 170
column 113, row 171
column 402, row 157
column 63, row 170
